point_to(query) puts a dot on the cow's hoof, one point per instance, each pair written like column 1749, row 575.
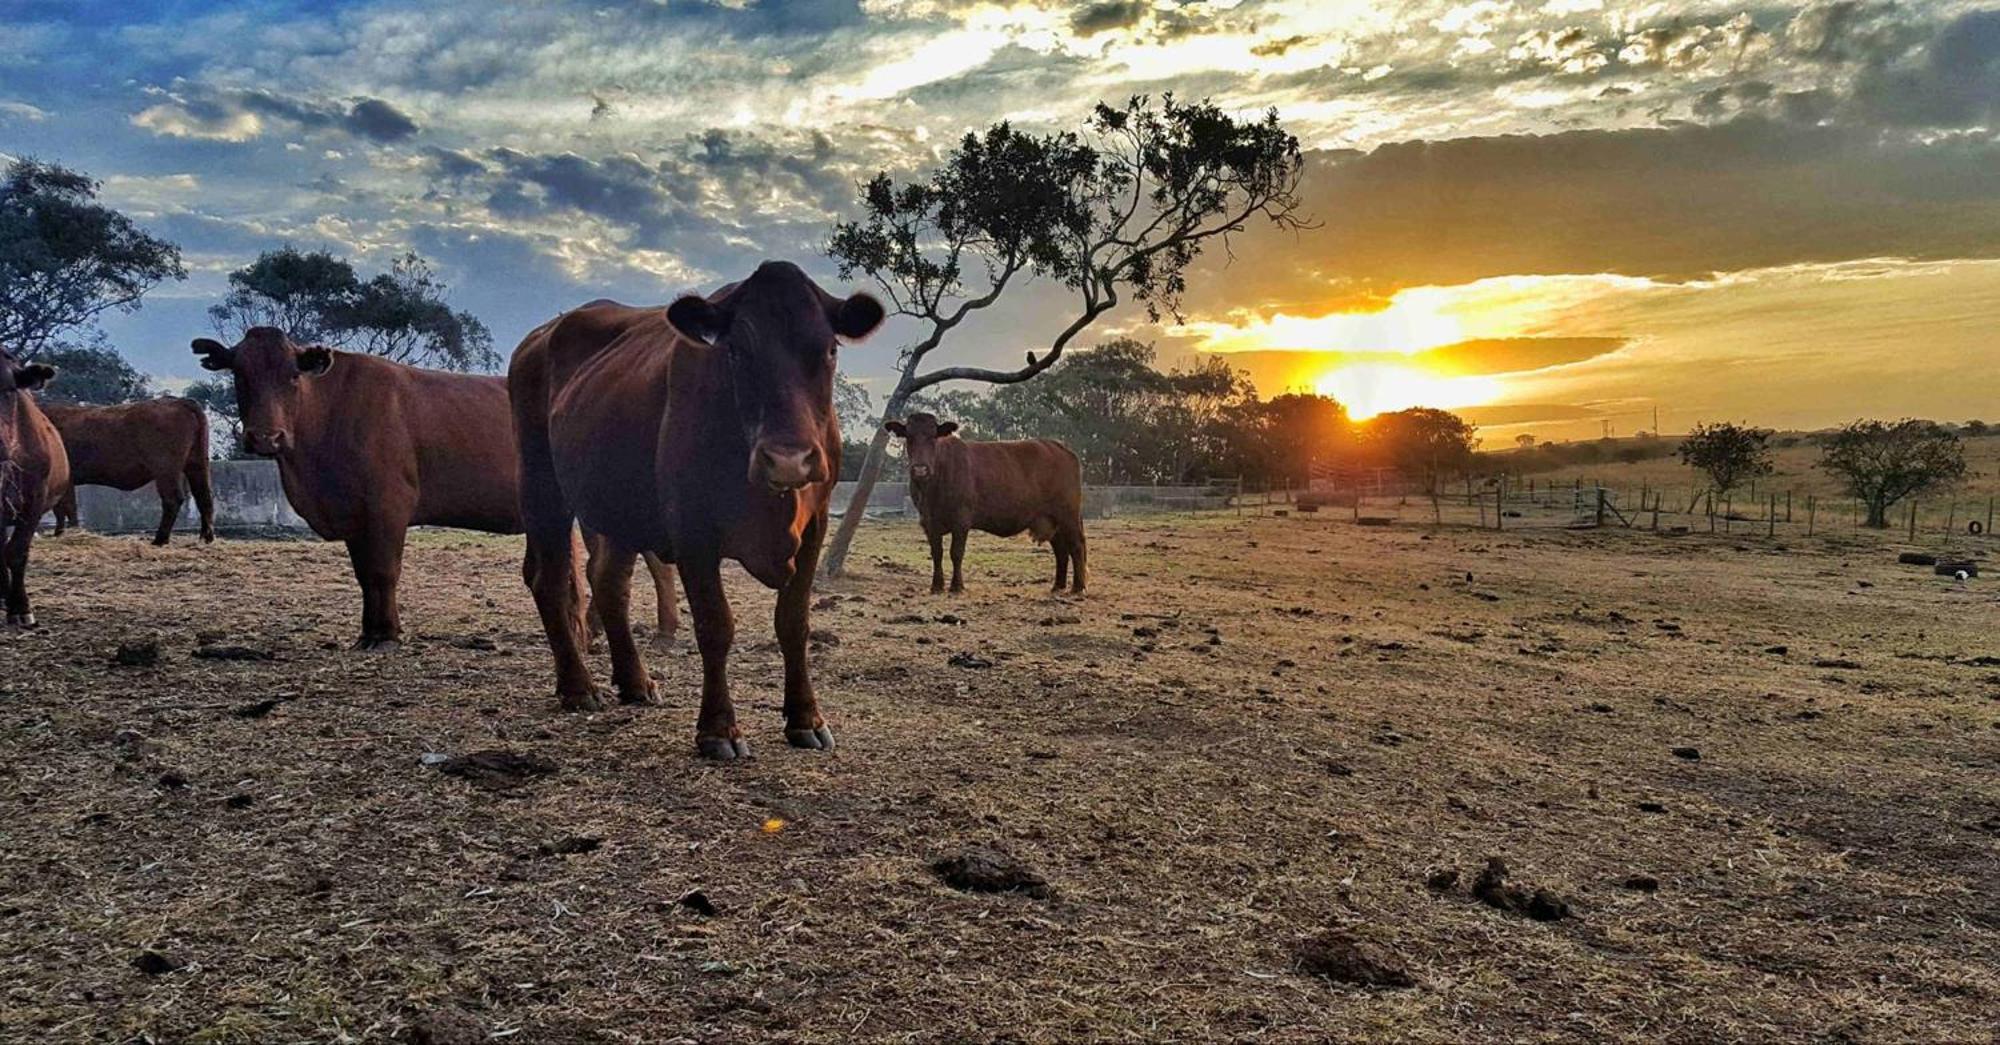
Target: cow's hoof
column 21, row 620
column 642, row 698
column 722, row 749
column 662, row 641
column 208, row 536
column 159, row 542
column 367, row 645
column 589, row 700
column 937, row 589
column 817, row 739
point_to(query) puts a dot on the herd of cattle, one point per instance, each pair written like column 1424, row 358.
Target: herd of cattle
column 687, row 435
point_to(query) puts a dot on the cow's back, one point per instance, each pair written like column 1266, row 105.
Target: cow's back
column 1018, row 485
column 600, row 378
column 129, row 445
column 385, row 443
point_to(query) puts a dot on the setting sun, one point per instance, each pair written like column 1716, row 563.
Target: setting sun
column 1367, row 389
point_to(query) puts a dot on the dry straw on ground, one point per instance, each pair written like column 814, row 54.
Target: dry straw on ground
column 1251, row 733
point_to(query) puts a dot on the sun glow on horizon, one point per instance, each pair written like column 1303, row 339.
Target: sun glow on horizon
column 1368, row 389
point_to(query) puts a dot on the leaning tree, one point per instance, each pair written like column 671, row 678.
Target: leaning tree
column 1117, row 212
column 66, row 259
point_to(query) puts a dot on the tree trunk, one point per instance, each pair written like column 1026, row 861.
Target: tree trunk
column 835, row 562
column 1878, row 515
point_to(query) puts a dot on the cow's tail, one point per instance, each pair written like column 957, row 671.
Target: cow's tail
column 197, row 474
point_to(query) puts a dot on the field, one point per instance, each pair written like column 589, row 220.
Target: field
column 1248, row 733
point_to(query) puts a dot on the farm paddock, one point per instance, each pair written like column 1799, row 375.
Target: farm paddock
column 1249, row 732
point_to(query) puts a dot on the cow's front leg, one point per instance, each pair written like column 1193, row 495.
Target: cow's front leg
column 378, row 565
column 715, row 733
column 957, row 560
column 793, row 622
column 937, row 560
column 14, row 575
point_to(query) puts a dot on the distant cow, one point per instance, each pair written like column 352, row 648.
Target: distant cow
column 703, row 431
column 158, row 441
column 367, row 448
column 1002, row 488
column 34, row 471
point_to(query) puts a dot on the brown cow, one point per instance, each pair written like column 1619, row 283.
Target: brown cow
column 158, row 441
column 701, row 432
column 368, row 448
column 34, row 471
column 1002, row 488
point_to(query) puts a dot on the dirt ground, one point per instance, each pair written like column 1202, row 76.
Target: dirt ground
column 1249, row 733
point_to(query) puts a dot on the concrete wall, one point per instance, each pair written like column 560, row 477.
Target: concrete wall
column 248, row 498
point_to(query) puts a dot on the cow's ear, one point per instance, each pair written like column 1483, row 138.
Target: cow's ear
column 315, row 360
column 213, row 355
column 34, row 376
column 857, row 317
column 947, row 427
column 698, row 318
column 896, row 429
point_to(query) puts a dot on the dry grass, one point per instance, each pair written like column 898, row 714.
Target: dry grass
column 1314, row 719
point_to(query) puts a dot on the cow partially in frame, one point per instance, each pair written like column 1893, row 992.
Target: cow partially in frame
column 1002, row 488
column 34, row 472
column 701, row 432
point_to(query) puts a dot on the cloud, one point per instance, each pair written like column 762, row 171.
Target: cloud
column 239, row 116
column 1103, row 17
column 377, row 120
column 202, row 119
column 22, row 111
column 1954, row 82
column 1672, row 203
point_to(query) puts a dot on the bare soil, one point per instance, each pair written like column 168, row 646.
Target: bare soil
column 1122, row 816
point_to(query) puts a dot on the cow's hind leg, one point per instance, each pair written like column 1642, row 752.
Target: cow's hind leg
column 202, row 490
column 804, row 727
column 169, row 489
column 611, row 594
column 66, row 510
column 550, row 570
column 715, row 733
column 667, row 613
column 378, row 564
column 1074, row 540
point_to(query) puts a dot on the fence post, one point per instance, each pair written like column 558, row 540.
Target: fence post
column 1500, row 506
column 1950, row 519
column 1812, row 513
column 1771, row 518
column 1913, row 520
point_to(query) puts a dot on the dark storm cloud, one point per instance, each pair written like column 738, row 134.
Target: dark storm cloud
column 1954, row 82
column 1672, row 203
column 1102, row 17
column 377, row 120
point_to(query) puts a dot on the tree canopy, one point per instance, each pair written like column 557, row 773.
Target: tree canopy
column 65, row 258
column 1729, row 454
column 1882, row 462
column 92, row 374
column 1117, row 211
column 316, row 298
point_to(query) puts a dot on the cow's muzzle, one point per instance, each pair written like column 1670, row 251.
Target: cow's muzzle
column 267, row 444
column 787, row 467
column 920, row 471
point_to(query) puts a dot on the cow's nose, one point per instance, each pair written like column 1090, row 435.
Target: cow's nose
column 787, row 467
column 267, row 443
